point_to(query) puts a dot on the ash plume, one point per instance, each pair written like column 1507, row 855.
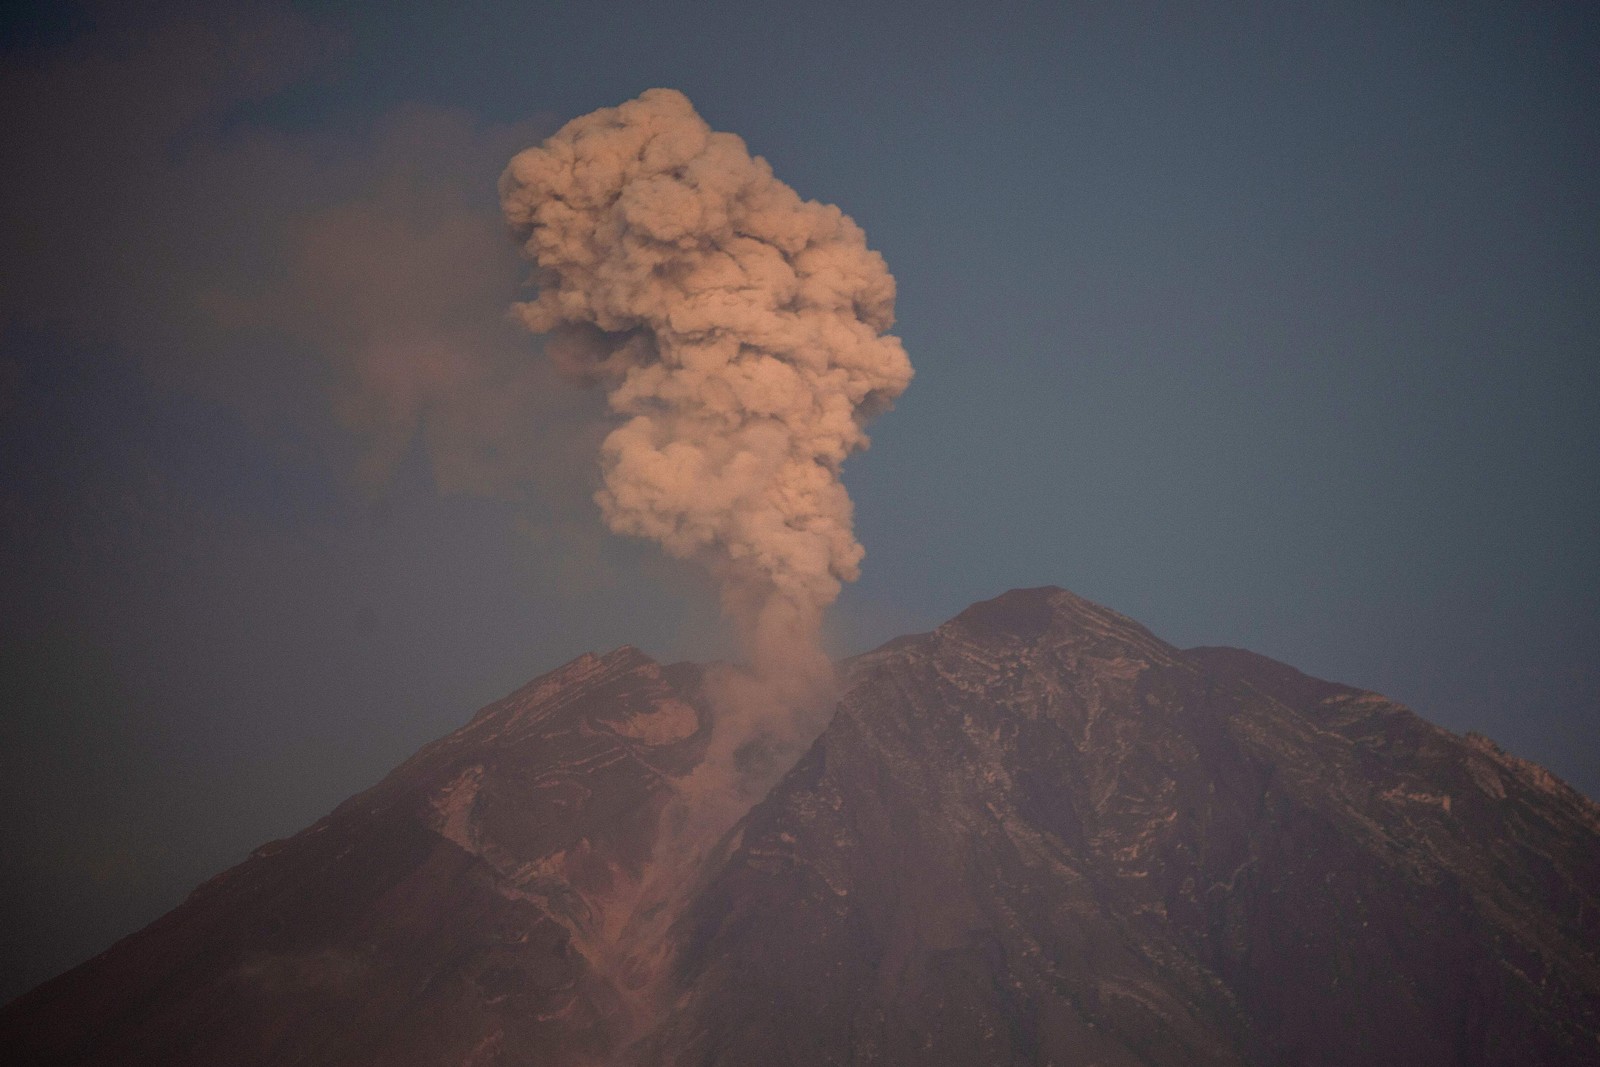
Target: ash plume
column 740, row 335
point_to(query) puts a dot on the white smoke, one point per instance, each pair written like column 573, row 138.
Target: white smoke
column 739, row 331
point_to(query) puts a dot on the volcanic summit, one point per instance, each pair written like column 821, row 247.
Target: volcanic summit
column 1036, row 835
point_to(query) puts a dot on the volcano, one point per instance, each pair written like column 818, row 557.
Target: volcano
column 1036, row 835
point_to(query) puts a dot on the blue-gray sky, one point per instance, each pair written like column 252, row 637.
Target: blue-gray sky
column 1271, row 325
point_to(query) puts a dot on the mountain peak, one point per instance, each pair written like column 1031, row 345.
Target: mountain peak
column 1047, row 618
column 1042, row 835
column 1038, row 834
column 1022, row 614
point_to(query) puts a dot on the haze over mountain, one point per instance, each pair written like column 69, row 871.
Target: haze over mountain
column 1271, row 325
column 1038, row 834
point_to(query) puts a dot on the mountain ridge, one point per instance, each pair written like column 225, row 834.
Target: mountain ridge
column 1178, row 938
column 1035, row 834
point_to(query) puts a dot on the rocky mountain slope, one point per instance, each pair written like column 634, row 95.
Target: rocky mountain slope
column 1037, row 835
column 460, row 912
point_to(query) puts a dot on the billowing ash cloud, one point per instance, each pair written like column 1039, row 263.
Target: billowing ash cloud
column 740, row 332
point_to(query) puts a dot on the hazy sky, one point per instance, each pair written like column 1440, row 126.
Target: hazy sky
column 1271, row 325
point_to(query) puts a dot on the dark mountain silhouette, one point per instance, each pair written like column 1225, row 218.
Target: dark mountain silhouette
column 1036, row 835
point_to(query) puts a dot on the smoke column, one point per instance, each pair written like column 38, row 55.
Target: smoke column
column 740, row 335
